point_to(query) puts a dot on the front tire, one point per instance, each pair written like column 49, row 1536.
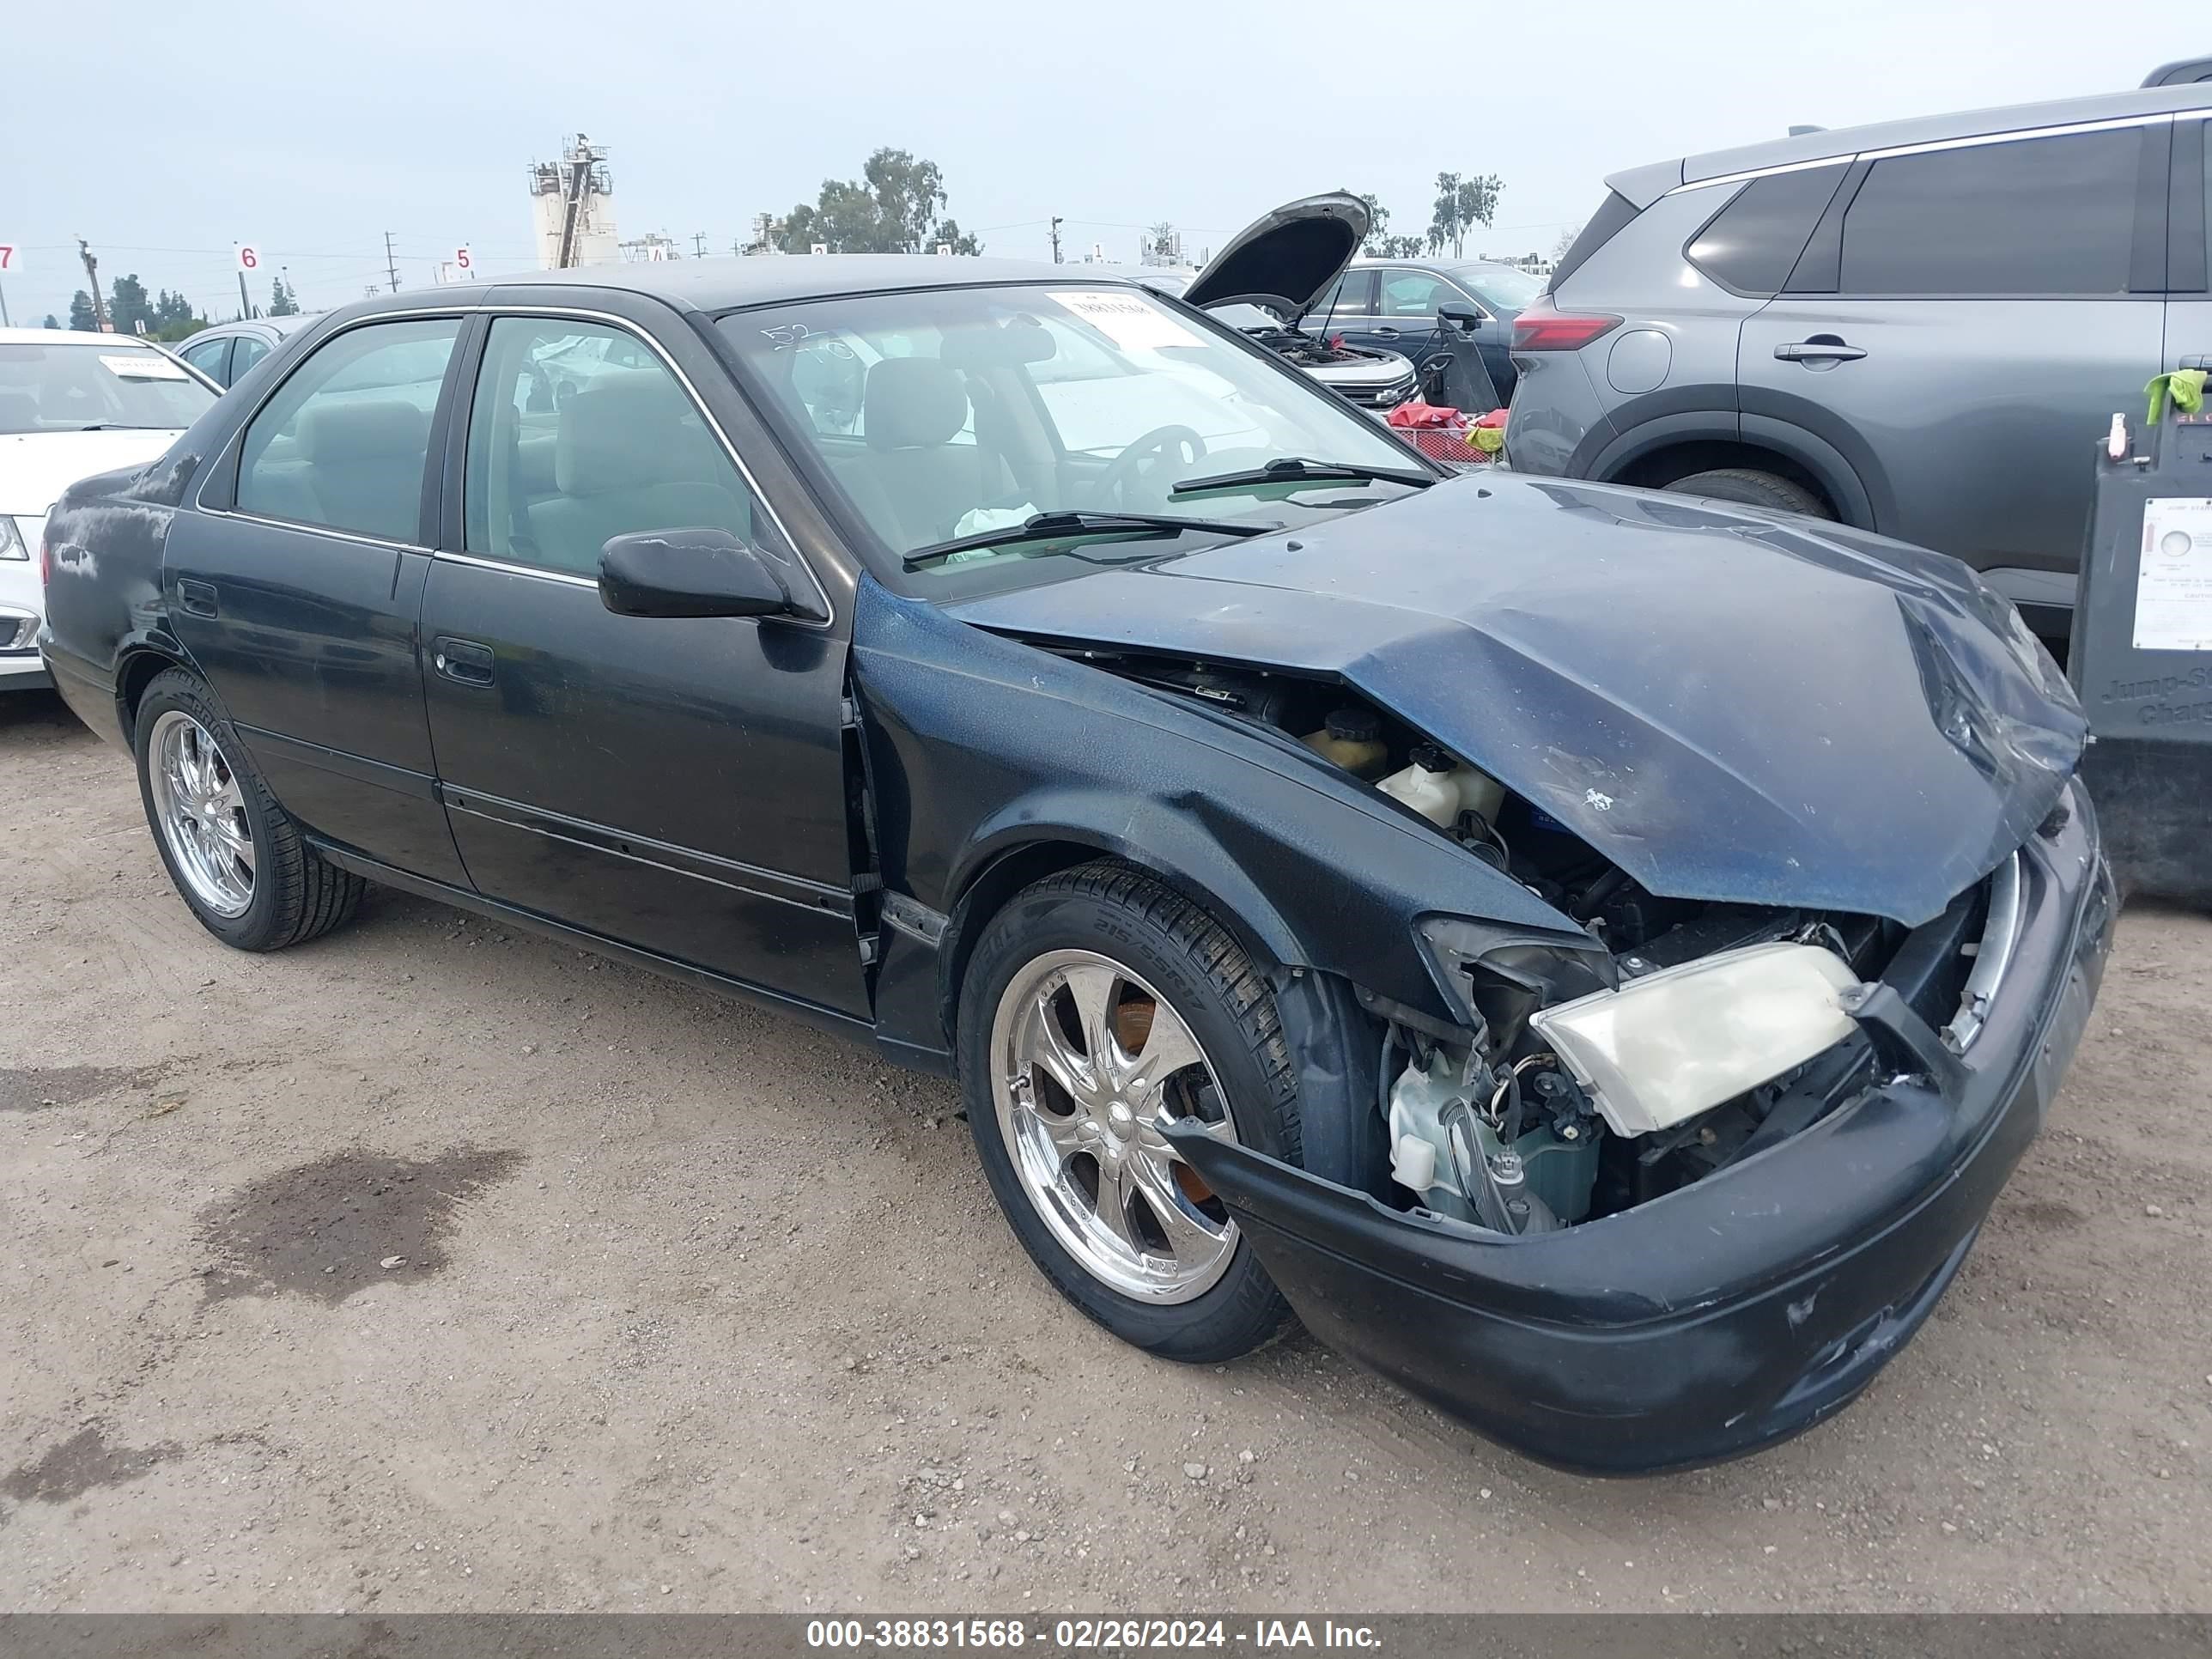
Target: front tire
column 237, row 859
column 1098, row 1005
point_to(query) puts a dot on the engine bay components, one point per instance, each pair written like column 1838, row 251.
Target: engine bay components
column 1352, row 738
column 1440, row 788
column 1491, row 1151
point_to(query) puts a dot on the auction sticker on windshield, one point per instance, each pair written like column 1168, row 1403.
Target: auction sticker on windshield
column 2173, row 588
column 144, row 367
column 1131, row 321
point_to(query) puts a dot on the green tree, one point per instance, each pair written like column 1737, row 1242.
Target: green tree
column 51, row 321
column 128, row 305
column 174, row 318
column 1461, row 205
column 283, row 301
column 893, row 208
column 80, row 317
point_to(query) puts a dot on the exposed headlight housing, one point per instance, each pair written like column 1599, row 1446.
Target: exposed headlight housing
column 1680, row 1042
column 11, row 540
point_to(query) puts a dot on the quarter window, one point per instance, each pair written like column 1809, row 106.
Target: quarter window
column 344, row 442
column 1752, row 245
column 579, row 433
column 2039, row 215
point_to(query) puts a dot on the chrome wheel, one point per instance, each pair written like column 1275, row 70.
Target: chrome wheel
column 202, row 811
column 1088, row 1066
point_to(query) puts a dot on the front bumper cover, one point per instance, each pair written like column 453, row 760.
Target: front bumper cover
column 1730, row 1314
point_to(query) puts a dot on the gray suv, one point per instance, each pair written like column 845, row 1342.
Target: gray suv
column 1918, row 328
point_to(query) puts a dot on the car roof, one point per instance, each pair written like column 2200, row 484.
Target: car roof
column 72, row 336
column 279, row 326
column 721, row 284
column 1645, row 185
column 1422, row 262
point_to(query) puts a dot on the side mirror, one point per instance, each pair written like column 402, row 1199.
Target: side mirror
column 687, row 573
column 1459, row 311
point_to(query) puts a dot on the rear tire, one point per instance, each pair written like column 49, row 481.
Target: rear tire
column 1149, row 1004
column 238, row 860
column 1753, row 488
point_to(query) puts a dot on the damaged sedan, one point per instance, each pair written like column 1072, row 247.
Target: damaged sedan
column 1592, row 955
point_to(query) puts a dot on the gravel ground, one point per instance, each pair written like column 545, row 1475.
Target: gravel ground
column 437, row 1266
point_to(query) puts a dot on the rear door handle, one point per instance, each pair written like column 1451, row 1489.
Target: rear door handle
column 1822, row 348
column 464, row 661
column 197, row 598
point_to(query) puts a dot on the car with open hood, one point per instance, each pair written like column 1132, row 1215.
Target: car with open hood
column 71, row 403
column 1592, row 955
column 1266, row 279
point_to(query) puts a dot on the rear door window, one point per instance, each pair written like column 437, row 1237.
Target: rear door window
column 2050, row 216
column 210, row 357
column 1750, row 245
column 247, row 352
column 1352, row 296
column 343, row 443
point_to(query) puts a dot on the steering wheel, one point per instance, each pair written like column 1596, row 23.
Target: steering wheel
column 1112, row 489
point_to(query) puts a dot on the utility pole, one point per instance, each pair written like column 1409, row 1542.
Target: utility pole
column 244, row 305
column 698, row 243
column 92, row 275
column 1055, row 239
column 391, row 264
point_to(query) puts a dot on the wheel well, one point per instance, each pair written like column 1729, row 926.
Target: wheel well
column 137, row 673
column 984, row 898
column 1663, row 466
column 1006, row 876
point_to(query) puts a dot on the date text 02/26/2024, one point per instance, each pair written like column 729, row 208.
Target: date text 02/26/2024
column 1087, row 1635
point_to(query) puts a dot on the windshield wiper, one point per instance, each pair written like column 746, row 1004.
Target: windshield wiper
column 1052, row 527
column 1292, row 469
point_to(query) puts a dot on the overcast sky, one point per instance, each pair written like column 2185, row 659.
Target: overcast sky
column 166, row 134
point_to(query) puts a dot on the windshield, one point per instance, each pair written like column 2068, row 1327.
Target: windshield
column 943, row 414
column 1501, row 287
column 69, row 387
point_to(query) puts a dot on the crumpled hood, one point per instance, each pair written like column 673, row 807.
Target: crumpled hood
column 35, row 467
column 1731, row 706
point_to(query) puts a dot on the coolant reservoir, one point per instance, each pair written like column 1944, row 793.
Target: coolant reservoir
column 1440, row 789
column 1351, row 739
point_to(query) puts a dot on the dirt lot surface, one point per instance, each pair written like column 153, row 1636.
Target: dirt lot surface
column 437, row 1266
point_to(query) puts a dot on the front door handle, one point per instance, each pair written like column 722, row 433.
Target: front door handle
column 198, row 598
column 1386, row 332
column 462, row 661
column 1821, row 349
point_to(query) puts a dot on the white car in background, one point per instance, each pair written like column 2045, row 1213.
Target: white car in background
column 71, row 404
